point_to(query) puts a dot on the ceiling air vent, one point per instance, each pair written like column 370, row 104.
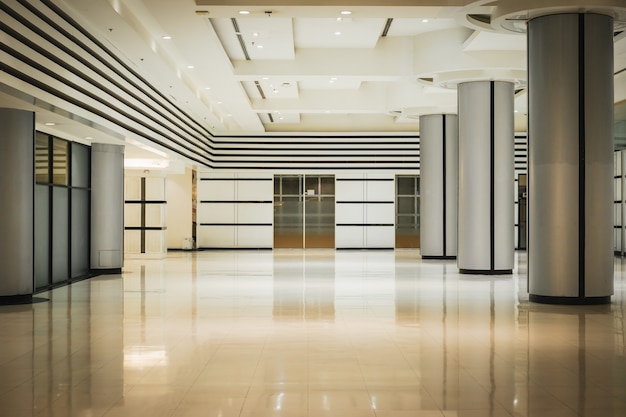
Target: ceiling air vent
column 387, row 27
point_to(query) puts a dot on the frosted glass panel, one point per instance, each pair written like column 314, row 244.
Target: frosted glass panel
column 81, row 156
column 42, row 236
column 60, row 232
column 80, row 232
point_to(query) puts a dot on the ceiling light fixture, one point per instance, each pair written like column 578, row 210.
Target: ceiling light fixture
column 346, row 12
column 166, row 37
column 49, row 124
column 259, row 46
column 190, row 67
column 425, row 20
column 255, row 34
column 244, row 12
column 337, row 33
column 88, row 137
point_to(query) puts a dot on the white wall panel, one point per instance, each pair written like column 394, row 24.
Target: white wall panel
column 255, row 213
column 132, row 241
column 211, row 190
column 155, row 215
column 155, row 189
column 132, row 188
column 254, row 190
column 155, row 242
column 216, row 213
column 132, row 215
column 380, row 236
column 380, row 191
column 255, row 236
column 349, row 191
column 349, row 236
column 349, row 213
column 380, row 213
column 216, row 236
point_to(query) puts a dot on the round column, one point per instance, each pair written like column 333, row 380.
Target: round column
column 439, row 161
column 486, row 183
column 570, row 158
column 107, row 208
column 17, row 184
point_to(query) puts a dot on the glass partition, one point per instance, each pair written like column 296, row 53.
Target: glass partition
column 407, row 211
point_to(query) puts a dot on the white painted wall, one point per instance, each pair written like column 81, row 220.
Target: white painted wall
column 178, row 196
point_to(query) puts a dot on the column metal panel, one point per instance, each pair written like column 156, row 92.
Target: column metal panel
column 439, row 185
column 107, row 206
column 570, row 157
column 17, row 184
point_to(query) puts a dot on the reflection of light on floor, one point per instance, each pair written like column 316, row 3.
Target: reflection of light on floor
column 139, row 357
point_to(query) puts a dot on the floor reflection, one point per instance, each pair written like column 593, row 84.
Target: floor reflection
column 310, row 333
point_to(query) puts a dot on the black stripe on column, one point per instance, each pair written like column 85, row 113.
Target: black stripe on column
column 581, row 155
column 143, row 215
column 492, row 205
column 443, row 122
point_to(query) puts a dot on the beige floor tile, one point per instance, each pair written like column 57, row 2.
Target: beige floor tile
column 312, row 334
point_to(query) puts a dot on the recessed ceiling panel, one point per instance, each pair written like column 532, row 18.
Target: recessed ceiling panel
column 338, row 33
column 412, row 27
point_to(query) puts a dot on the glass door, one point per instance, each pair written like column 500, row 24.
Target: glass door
column 407, row 211
column 304, row 211
column 319, row 210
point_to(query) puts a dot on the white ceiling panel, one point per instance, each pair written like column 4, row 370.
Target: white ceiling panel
column 412, row 27
column 338, row 33
column 267, row 38
column 331, row 83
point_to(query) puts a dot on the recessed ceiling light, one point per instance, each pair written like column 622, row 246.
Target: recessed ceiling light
column 244, row 12
column 219, row 102
column 255, row 34
column 266, row 78
column 337, row 33
column 88, row 137
column 346, row 12
column 49, row 124
column 259, row 46
column 167, row 37
column 207, row 88
column 190, row 67
column 425, row 20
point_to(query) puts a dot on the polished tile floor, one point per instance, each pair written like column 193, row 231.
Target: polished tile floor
column 310, row 333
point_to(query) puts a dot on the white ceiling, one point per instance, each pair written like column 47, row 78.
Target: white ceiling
column 309, row 69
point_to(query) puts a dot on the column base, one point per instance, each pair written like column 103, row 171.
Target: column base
column 14, row 300
column 546, row 299
column 486, row 271
column 427, row 257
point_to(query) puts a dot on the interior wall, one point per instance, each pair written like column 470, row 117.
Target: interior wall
column 178, row 196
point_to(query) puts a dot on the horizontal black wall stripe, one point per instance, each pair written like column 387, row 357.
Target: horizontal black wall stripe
column 145, row 202
column 236, row 179
column 236, row 202
column 105, row 115
column 55, row 9
column 235, row 224
column 365, row 225
column 364, row 202
column 366, row 179
column 144, row 228
column 65, row 64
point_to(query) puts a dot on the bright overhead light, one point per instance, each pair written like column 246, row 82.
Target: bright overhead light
column 88, row 137
column 266, row 78
column 190, row 67
column 49, row 123
column 255, row 34
column 346, row 12
column 244, row 12
column 337, row 33
column 425, row 20
column 259, row 46
column 219, row 102
column 166, row 37
column 207, row 88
